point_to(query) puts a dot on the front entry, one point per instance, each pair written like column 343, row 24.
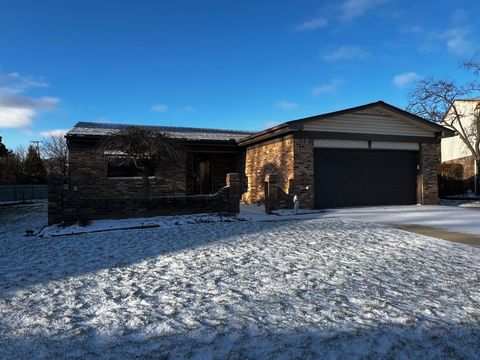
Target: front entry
column 202, row 174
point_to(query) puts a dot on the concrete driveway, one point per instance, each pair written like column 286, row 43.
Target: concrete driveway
column 454, row 223
column 450, row 218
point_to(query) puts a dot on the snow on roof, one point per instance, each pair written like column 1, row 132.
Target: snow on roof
column 105, row 129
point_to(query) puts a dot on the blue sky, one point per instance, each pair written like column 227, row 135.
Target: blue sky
column 222, row 64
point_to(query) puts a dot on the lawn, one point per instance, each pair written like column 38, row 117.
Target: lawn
column 318, row 288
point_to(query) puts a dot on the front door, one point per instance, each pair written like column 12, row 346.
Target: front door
column 202, row 173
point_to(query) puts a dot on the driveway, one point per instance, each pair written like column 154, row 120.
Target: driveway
column 449, row 218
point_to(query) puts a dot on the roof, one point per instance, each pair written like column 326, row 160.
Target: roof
column 293, row 125
column 92, row 129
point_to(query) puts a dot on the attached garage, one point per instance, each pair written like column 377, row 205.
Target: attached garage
column 374, row 154
column 353, row 177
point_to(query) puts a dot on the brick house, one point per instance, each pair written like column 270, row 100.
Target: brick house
column 374, row 154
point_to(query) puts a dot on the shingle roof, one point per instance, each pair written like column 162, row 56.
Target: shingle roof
column 104, row 129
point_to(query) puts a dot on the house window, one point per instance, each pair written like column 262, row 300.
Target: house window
column 126, row 169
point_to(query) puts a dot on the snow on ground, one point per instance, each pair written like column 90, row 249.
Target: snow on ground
column 461, row 202
column 451, row 218
column 158, row 221
column 248, row 213
column 16, row 219
column 319, row 288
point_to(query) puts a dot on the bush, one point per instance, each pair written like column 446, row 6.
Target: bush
column 451, row 179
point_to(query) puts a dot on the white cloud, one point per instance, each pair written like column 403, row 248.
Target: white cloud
column 54, row 132
column 352, row 9
column 312, row 24
column 345, row 53
column 405, row 79
column 159, row 108
column 458, row 42
column 16, row 109
column 20, row 101
column 459, row 16
column 189, row 109
column 11, row 117
column 270, row 123
column 428, row 47
column 328, row 88
column 27, row 132
column 411, row 29
column 286, row 105
column 14, row 82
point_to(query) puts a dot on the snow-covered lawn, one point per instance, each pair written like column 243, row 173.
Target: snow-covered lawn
column 318, row 288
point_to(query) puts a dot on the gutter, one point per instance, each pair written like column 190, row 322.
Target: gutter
column 279, row 130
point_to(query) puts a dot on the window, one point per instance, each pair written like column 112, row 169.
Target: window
column 125, row 169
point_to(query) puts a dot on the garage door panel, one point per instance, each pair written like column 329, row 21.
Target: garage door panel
column 363, row 178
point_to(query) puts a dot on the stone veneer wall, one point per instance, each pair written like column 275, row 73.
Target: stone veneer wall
column 429, row 162
column 290, row 159
column 276, row 156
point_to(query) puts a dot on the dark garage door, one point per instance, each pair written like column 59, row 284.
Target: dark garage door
column 364, row 177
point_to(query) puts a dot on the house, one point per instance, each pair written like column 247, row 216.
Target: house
column 456, row 152
column 374, row 154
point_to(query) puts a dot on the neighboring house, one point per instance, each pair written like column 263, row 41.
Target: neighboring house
column 454, row 149
column 375, row 154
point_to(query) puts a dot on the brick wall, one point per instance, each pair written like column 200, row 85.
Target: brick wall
column 276, row 156
column 303, row 183
column 428, row 181
column 292, row 159
column 88, row 177
column 66, row 206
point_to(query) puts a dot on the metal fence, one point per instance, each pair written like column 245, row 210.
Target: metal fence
column 23, row 192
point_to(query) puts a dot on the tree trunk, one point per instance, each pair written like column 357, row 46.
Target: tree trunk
column 477, row 177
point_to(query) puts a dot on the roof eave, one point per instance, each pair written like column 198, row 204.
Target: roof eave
column 282, row 129
column 91, row 137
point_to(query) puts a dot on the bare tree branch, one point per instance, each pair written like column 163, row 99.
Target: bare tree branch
column 437, row 101
column 142, row 146
column 55, row 152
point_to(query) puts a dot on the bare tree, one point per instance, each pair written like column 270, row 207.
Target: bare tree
column 21, row 152
column 436, row 100
column 144, row 147
column 55, row 153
